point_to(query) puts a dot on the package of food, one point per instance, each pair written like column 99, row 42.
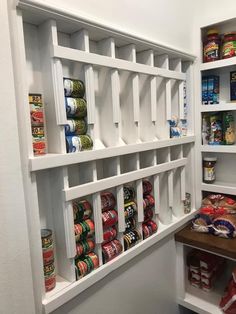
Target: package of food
column 225, row 226
column 219, row 200
column 202, row 223
column 228, row 301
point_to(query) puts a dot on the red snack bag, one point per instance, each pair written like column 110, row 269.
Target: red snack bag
column 228, row 301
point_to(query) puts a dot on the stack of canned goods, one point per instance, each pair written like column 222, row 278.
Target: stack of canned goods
column 85, row 260
column 149, row 226
column 48, row 259
column 76, row 110
column 111, row 247
column 131, row 234
column 37, row 124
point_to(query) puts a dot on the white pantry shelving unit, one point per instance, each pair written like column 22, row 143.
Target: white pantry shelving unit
column 133, row 87
column 190, row 297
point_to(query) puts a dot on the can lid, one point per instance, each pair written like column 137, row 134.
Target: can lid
column 210, row 158
column 46, row 233
column 212, row 31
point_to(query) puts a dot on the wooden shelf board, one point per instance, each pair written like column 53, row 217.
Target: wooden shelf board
column 58, row 160
column 219, row 148
column 220, row 187
column 73, row 289
column 218, row 64
column 219, row 107
column 207, row 242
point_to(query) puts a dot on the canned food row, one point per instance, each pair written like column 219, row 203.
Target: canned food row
column 76, row 128
column 37, row 124
column 48, row 259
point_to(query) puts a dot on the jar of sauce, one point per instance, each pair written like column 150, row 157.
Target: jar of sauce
column 209, row 175
column 229, row 45
column 211, row 47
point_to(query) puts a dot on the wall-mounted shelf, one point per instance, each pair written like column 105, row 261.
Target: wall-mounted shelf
column 207, row 242
column 221, row 107
column 58, row 160
column 218, row 64
column 220, row 187
column 219, row 148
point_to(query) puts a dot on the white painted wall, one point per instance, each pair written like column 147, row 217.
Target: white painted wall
column 16, row 294
column 144, row 285
column 168, row 22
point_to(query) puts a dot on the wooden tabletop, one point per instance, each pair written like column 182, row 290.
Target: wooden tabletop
column 214, row 244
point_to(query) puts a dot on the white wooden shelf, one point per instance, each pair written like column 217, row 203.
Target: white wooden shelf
column 202, row 302
column 52, row 302
column 104, row 61
column 218, row 64
column 220, row 107
column 59, row 160
column 219, row 148
column 220, row 187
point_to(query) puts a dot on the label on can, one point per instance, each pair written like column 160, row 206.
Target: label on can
column 46, row 237
column 39, row 145
column 73, row 88
column 73, row 144
column 38, row 131
column 35, row 98
column 76, row 126
column 209, row 174
column 76, row 107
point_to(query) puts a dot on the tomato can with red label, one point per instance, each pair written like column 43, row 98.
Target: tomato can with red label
column 109, row 218
column 108, row 201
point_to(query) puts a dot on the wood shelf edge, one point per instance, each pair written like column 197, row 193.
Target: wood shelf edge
column 207, row 242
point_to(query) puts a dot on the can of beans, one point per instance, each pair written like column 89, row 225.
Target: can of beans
column 153, row 225
column 85, row 247
column 73, row 88
column 81, row 209
column 84, row 229
column 39, row 145
column 76, row 107
column 111, row 249
column 48, row 255
column 76, row 127
column 108, row 201
column 148, row 214
column 130, row 209
column 147, row 231
column 109, row 234
column 109, row 218
column 77, row 143
column 82, row 268
column 130, row 223
column 46, row 238
column 148, row 201
column 131, row 237
column 50, row 281
column 147, row 187
column 94, row 258
column 129, row 193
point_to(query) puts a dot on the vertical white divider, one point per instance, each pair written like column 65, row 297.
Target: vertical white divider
column 182, row 178
column 115, row 89
column 59, row 92
column 53, row 93
column 170, row 183
column 178, row 67
column 164, row 61
column 80, row 41
column 147, row 57
column 156, row 193
column 129, row 53
column 97, row 214
column 139, row 198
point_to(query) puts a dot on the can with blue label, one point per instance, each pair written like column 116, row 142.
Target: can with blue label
column 76, row 107
column 76, row 127
column 73, row 88
column 77, row 143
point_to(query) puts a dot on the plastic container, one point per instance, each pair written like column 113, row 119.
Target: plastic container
column 229, row 45
column 211, row 47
